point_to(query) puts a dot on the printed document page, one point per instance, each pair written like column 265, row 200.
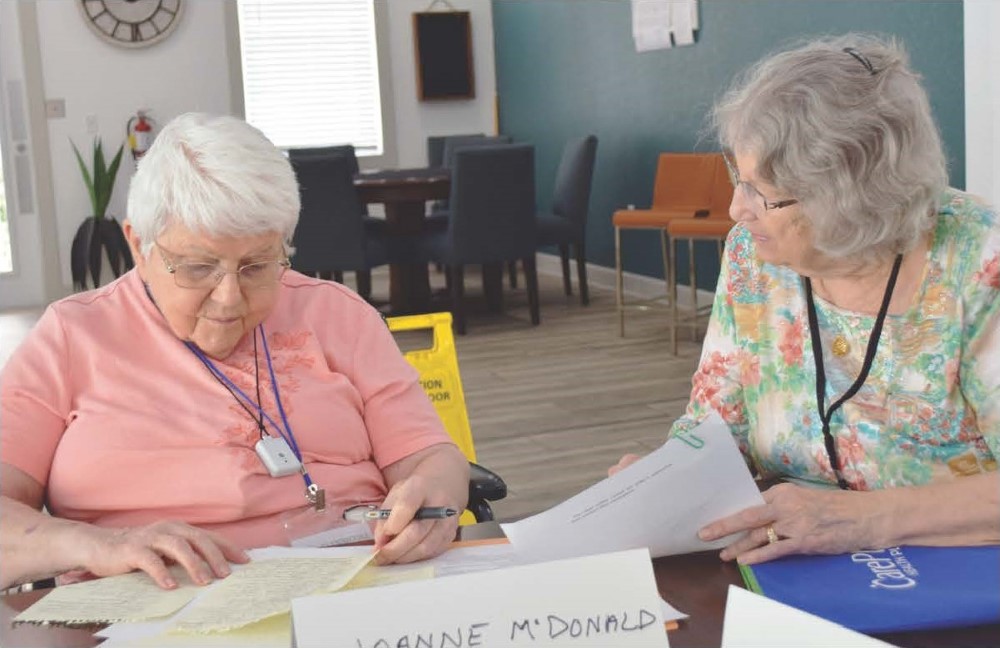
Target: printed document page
column 660, row 502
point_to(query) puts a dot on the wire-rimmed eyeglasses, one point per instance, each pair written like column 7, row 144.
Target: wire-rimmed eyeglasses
column 209, row 275
column 750, row 193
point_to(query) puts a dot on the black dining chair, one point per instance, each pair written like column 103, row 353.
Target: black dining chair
column 456, row 142
column 346, row 150
column 374, row 225
column 331, row 237
column 566, row 223
column 438, row 218
column 492, row 220
column 435, row 147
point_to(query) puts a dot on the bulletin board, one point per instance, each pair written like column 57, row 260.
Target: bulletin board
column 443, row 43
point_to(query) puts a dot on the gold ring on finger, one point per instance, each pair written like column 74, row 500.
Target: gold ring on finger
column 772, row 535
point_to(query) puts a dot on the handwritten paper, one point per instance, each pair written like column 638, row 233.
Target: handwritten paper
column 271, row 632
column 609, row 599
column 660, row 502
column 261, row 589
column 754, row 620
column 128, row 597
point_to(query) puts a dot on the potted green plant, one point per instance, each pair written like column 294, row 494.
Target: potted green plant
column 98, row 232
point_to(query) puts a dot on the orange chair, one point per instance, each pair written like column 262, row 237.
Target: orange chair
column 683, row 186
column 714, row 226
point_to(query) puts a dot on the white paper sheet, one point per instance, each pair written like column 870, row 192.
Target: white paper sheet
column 752, row 620
column 651, row 25
column 653, row 22
column 606, row 600
column 660, row 502
column 683, row 21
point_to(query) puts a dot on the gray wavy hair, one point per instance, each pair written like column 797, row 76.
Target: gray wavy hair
column 214, row 174
column 857, row 147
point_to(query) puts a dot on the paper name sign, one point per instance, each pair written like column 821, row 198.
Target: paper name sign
column 602, row 600
column 754, row 620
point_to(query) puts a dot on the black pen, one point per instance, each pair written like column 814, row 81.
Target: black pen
column 366, row 513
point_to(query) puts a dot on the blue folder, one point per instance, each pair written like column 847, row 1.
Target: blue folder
column 885, row 590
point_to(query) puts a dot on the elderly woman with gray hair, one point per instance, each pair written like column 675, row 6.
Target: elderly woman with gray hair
column 212, row 400
column 854, row 343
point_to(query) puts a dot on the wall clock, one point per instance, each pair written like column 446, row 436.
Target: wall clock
column 132, row 23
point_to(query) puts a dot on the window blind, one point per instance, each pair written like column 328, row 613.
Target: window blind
column 310, row 72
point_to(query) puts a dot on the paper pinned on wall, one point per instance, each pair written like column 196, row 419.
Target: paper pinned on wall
column 683, row 21
column 655, row 21
column 651, row 25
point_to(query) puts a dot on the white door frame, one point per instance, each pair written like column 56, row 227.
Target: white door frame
column 27, row 177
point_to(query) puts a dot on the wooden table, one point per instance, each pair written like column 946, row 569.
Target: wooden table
column 405, row 192
column 695, row 584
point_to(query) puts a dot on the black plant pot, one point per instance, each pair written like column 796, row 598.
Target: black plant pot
column 93, row 236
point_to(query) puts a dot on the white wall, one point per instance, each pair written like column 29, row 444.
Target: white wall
column 188, row 71
column 982, row 99
column 415, row 120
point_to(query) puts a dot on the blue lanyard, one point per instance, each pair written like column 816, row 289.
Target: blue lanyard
column 286, row 434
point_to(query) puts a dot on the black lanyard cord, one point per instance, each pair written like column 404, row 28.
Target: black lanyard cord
column 873, row 340
column 256, row 380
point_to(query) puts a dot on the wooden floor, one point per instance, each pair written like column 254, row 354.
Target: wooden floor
column 551, row 407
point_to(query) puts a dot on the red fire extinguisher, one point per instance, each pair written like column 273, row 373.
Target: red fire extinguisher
column 140, row 134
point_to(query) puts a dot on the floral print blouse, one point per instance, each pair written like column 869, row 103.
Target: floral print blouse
column 930, row 408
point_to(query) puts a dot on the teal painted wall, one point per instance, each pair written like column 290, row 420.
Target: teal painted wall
column 569, row 67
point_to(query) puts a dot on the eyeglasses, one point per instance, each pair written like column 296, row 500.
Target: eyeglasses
column 750, row 193
column 209, row 275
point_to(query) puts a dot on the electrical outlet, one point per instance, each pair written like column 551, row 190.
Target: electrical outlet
column 92, row 126
column 55, row 108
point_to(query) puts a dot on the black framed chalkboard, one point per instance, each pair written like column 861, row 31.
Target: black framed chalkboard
column 443, row 43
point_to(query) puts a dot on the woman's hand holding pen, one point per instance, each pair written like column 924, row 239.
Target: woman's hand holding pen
column 435, row 477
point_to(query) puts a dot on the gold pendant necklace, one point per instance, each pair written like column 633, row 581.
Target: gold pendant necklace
column 840, row 346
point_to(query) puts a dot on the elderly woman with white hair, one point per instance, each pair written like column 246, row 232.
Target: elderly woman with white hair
column 208, row 400
column 854, row 343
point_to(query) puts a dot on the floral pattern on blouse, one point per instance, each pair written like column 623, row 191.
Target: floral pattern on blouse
column 930, row 407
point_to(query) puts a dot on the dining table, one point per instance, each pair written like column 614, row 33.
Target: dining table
column 697, row 584
column 405, row 193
